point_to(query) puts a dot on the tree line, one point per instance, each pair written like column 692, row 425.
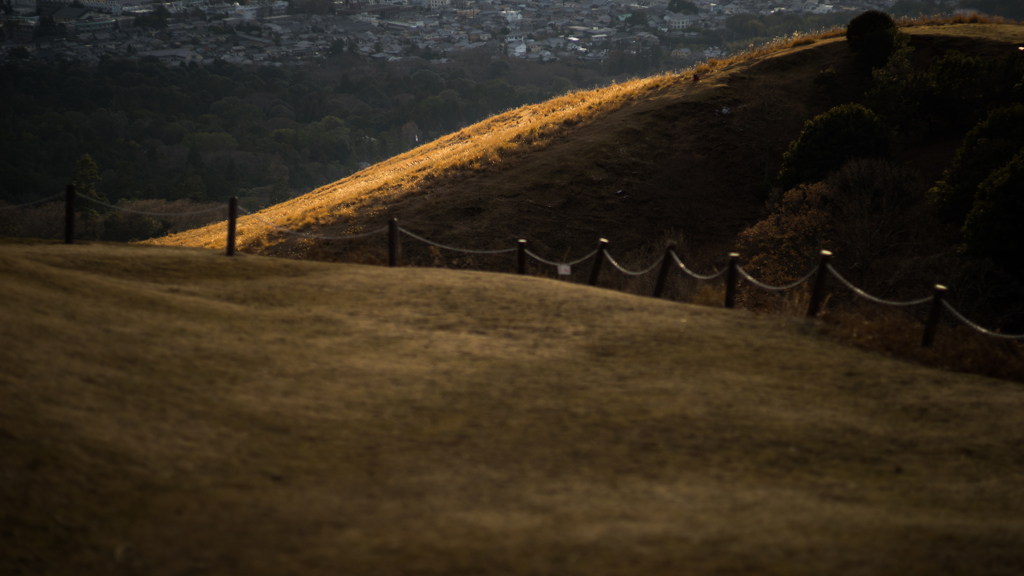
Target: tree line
column 209, row 132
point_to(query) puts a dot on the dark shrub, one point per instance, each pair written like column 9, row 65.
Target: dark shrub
column 993, row 226
column 986, row 148
column 829, row 140
column 873, row 37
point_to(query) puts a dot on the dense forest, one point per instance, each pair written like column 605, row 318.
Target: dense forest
column 210, row 132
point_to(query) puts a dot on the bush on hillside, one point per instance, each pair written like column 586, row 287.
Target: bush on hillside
column 875, row 218
column 986, row 148
column 866, row 211
column 873, row 37
column 955, row 91
column 992, row 229
column 897, row 92
column 780, row 248
column 831, row 139
column 957, row 84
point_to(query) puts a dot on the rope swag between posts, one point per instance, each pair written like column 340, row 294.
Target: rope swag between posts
column 665, row 264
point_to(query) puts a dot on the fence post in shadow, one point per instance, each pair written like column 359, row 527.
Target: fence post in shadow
column 818, row 292
column 934, row 313
column 595, row 271
column 666, row 264
column 521, row 257
column 69, row 214
column 232, row 221
column 730, row 280
column 393, row 242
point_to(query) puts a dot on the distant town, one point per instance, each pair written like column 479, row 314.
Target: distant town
column 279, row 33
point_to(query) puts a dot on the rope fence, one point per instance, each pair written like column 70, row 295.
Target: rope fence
column 550, row 263
column 452, row 248
column 693, row 274
column 40, row 201
column 871, row 298
column 818, row 275
column 141, row 213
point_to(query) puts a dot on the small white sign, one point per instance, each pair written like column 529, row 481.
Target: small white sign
column 564, row 270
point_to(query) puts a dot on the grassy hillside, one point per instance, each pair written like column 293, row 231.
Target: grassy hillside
column 173, row 411
column 632, row 162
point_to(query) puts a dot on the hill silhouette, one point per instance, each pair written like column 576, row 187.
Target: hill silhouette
column 633, row 162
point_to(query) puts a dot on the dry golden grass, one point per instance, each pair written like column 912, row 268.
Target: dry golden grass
column 173, row 411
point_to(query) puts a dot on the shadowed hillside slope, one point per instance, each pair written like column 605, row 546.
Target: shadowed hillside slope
column 166, row 411
column 631, row 162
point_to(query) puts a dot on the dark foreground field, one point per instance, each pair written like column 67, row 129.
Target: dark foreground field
column 170, row 411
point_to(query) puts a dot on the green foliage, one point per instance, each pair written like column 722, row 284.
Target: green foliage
column 897, row 92
column 637, row 18
column 953, row 92
column 280, row 191
column 427, row 81
column 126, row 227
column 986, row 148
column 155, row 19
column 48, row 27
column 561, row 85
column 337, row 47
column 207, row 142
column 957, row 84
column 684, row 6
column 873, row 37
column 992, row 229
column 85, row 177
column 829, row 140
column 191, row 188
column 746, row 24
column 150, row 126
column 633, row 61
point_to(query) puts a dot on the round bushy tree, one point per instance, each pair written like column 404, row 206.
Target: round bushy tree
column 873, row 37
column 829, row 140
column 992, row 229
column 986, row 148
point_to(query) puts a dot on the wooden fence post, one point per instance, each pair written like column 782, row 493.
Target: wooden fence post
column 933, row 315
column 818, row 292
column 232, row 220
column 602, row 245
column 69, row 214
column 393, row 242
column 521, row 257
column 730, row 280
column 666, row 265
